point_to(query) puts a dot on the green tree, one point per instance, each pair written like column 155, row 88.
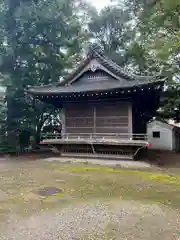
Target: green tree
column 157, row 46
column 164, row 27
column 39, row 41
column 111, row 28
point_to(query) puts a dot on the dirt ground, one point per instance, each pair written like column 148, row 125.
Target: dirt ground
column 94, row 202
column 164, row 158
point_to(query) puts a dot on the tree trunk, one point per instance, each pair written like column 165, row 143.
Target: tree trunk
column 38, row 132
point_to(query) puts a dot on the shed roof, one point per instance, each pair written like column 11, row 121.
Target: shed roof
column 163, row 122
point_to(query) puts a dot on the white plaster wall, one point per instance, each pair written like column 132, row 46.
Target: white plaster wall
column 165, row 142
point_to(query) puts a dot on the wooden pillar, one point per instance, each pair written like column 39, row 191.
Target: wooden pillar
column 94, row 120
column 63, row 122
column 130, row 128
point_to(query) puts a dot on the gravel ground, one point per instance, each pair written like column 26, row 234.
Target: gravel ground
column 121, row 163
column 97, row 221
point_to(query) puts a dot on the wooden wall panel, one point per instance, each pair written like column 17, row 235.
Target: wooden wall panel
column 90, row 77
column 112, row 110
column 112, row 118
column 108, row 130
column 79, row 118
column 79, row 110
column 79, row 130
column 82, row 122
column 98, row 118
column 112, row 121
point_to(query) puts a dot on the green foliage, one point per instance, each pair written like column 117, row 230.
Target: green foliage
column 40, row 41
column 111, row 29
column 157, row 27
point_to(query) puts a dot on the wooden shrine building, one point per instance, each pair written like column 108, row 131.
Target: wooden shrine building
column 105, row 110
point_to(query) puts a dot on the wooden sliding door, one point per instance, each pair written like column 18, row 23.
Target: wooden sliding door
column 98, row 118
column 79, row 118
column 112, row 118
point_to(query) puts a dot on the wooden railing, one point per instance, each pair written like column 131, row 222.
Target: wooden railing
column 94, row 136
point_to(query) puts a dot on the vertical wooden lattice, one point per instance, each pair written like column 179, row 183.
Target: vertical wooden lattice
column 112, row 118
column 102, row 118
column 79, row 119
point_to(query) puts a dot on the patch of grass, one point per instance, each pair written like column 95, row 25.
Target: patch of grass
column 159, row 177
column 80, row 183
column 166, row 178
column 84, row 169
column 102, row 187
column 104, row 182
column 60, row 194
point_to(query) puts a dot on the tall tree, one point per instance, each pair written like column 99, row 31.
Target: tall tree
column 40, row 40
column 111, row 28
column 158, row 41
column 164, row 27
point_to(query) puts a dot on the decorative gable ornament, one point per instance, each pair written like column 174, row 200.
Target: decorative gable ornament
column 93, row 67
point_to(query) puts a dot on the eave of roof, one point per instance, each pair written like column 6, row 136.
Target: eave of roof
column 130, row 80
column 85, row 88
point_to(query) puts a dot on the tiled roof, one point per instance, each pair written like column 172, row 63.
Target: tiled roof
column 98, row 86
column 128, row 80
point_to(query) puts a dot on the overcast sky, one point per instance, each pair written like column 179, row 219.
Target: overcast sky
column 99, row 3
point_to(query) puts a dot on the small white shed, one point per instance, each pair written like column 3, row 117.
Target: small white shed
column 163, row 136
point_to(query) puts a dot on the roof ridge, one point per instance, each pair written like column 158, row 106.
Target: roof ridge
column 131, row 76
column 114, row 63
column 118, row 69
